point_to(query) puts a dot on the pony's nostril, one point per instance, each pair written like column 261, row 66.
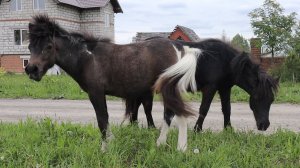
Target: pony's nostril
column 31, row 69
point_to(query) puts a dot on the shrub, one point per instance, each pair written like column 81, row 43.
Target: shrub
column 290, row 69
column 2, row 71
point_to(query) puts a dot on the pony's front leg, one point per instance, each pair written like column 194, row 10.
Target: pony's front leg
column 99, row 103
column 147, row 102
column 226, row 108
column 207, row 97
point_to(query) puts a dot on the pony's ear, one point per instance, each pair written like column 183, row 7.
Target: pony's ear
column 30, row 26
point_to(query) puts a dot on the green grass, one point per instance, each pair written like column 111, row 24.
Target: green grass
column 48, row 144
column 56, row 87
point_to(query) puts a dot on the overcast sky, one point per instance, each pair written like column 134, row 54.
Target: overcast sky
column 208, row 18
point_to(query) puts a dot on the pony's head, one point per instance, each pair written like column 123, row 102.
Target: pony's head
column 260, row 86
column 42, row 46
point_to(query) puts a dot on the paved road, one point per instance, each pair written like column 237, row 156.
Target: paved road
column 286, row 116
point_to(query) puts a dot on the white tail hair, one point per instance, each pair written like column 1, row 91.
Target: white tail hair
column 187, row 67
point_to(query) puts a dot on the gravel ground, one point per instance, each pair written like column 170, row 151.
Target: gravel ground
column 285, row 116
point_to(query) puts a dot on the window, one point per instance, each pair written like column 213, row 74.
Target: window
column 21, row 37
column 38, row 4
column 15, row 5
column 25, row 60
column 106, row 20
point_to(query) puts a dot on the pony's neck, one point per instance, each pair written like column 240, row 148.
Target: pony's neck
column 67, row 58
column 244, row 87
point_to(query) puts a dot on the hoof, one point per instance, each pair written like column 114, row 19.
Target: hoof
column 104, row 146
column 197, row 129
column 181, row 148
column 161, row 141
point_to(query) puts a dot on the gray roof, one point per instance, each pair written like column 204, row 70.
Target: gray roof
column 189, row 32
column 92, row 4
column 142, row 36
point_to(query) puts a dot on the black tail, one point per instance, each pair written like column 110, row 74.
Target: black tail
column 171, row 96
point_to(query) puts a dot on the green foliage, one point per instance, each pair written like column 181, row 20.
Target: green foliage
column 64, row 87
column 290, row 69
column 2, row 71
column 49, row 144
column 240, row 42
column 272, row 26
column 294, row 42
column 50, row 87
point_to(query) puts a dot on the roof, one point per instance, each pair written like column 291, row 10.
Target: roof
column 142, row 36
column 189, row 32
column 85, row 4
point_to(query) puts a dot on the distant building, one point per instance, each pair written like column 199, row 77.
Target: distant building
column 93, row 16
column 142, row 36
column 184, row 33
column 179, row 33
column 264, row 59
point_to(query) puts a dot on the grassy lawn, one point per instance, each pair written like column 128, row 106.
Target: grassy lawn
column 48, row 144
column 56, row 87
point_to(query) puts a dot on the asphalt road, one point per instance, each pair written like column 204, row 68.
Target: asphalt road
column 285, row 116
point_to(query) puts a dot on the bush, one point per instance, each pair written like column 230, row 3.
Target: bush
column 290, row 69
column 2, row 71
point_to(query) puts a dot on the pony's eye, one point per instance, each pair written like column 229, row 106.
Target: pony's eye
column 49, row 47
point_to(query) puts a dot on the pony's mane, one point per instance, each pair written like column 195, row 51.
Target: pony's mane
column 243, row 66
column 43, row 26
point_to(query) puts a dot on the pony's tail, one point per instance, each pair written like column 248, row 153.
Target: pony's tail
column 177, row 79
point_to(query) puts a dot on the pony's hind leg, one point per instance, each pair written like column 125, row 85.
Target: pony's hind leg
column 182, row 135
column 168, row 116
column 147, row 102
column 131, row 111
column 226, row 108
column 135, row 109
column 208, row 95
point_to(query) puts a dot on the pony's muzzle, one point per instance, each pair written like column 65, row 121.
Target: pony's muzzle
column 31, row 69
column 33, row 72
column 263, row 126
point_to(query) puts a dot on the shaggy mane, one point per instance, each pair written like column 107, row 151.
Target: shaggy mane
column 243, row 66
column 42, row 26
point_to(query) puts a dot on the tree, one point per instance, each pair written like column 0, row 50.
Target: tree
column 295, row 42
column 272, row 26
column 240, row 42
column 290, row 69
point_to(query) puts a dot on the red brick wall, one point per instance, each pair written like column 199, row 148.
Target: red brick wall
column 12, row 63
column 179, row 33
column 266, row 63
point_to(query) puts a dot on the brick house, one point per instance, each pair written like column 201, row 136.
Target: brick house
column 179, row 33
column 93, row 16
column 264, row 59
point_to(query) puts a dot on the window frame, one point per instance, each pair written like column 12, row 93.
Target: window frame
column 25, row 58
column 21, row 37
column 106, row 20
column 16, row 6
column 38, row 2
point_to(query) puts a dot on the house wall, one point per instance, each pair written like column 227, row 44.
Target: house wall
column 69, row 17
column 12, row 63
column 264, row 62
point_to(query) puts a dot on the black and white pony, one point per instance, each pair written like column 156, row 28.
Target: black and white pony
column 218, row 68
